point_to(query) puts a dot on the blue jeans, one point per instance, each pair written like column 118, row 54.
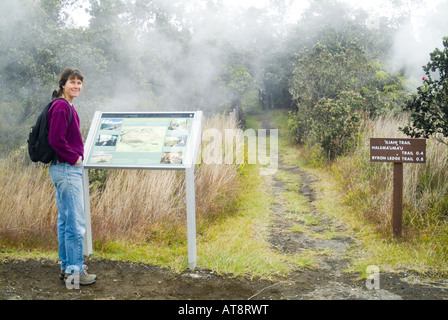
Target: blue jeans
column 67, row 180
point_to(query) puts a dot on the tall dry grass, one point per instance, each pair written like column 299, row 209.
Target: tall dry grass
column 28, row 209
column 132, row 205
column 369, row 185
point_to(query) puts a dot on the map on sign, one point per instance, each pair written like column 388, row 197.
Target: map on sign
column 398, row 150
column 139, row 140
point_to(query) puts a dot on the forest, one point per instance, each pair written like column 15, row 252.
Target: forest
column 166, row 55
column 332, row 73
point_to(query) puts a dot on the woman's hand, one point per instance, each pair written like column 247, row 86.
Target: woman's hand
column 79, row 162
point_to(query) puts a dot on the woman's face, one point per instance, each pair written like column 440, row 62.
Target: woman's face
column 72, row 88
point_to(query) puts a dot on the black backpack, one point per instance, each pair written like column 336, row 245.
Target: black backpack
column 39, row 147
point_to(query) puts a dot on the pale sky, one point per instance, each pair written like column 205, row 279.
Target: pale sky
column 380, row 7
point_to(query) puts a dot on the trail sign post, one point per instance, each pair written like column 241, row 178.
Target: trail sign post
column 145, row 140
column 398, row 151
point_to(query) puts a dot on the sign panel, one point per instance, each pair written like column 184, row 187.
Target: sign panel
column 398, row 150
column 142, row 140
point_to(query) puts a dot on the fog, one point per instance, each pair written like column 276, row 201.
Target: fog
column 211, row 55
column 420, row 32
column 417, row 38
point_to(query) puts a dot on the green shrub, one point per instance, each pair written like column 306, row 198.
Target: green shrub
column 331, row 124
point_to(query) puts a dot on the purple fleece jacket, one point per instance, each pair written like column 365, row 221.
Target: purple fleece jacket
column 65, row 140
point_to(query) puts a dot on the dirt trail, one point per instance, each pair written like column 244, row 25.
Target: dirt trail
column 38, row 279
column 325, row 279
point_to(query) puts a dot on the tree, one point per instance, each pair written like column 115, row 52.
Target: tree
column 334, row 123
column 324, row 71
column 334, row 84
column 429, row 106
column 28, row 66
column 321, row 75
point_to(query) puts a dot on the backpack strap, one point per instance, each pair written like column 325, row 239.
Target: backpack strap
column 70, row 121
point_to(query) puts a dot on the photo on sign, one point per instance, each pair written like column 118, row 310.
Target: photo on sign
column 176, row 141
column 106, row 140
column 180, row 124
column 171, row 158
column 111, row 124
column 141, row 139
column 101, row 157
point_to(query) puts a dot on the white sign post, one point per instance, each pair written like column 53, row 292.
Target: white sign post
column 191, row 218
column 145, row 140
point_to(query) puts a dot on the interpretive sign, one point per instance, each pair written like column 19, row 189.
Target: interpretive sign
column 145, row 140
column 398, row 151
column 142, row 140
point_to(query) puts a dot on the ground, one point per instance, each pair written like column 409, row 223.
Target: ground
column 35, row 279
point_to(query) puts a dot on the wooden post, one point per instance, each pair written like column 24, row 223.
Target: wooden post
column 397, row 216
column 398, row 151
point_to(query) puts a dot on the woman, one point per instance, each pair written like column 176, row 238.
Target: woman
column 66, row 139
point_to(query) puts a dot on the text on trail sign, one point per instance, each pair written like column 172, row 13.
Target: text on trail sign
column 398, row 150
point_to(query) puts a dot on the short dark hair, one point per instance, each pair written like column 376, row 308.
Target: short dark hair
column 68, row 73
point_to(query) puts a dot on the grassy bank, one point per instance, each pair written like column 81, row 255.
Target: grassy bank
column 424, row 245
column 359, row 193
column 128, row 207
column 233, row 211
column 139, row 216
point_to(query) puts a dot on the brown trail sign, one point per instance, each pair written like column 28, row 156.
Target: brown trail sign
column 398, row 151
